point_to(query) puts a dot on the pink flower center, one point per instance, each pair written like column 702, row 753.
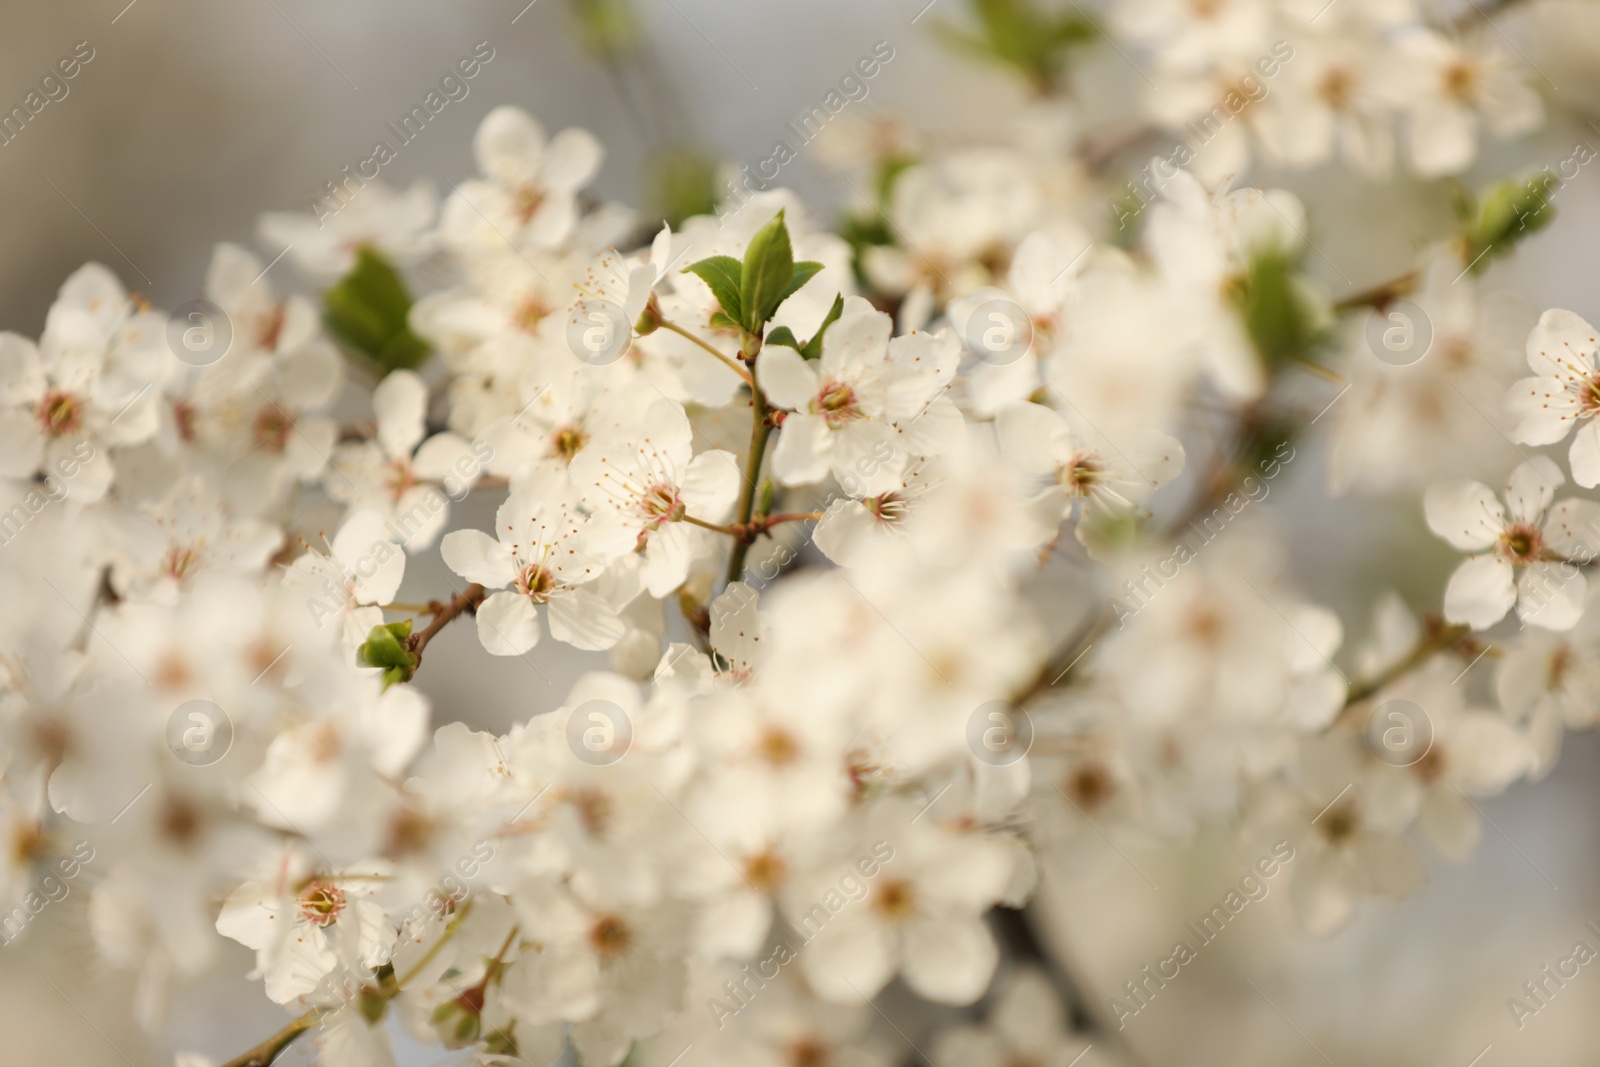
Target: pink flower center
column 272, row 328
column 60, row 413
column 567, row 441
column 1588, row 394
column 184, row 418
column 837, row 403
column 400, row 477
column 271, row 429
column 179, row 559
column 889, row 509
column 530, row 313
column 536, row 583
column 1522, row 543
column 528, row 200
column 661, row 505
column 321, row 903
column 1082, row 474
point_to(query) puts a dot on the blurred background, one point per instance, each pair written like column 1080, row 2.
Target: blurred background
column 193, row 118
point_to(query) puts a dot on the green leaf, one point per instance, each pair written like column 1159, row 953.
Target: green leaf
column 1022, row 35
column 889, row 172
column 1275, row 311
column 721, row 273
column 385, row 647
column 782, row 335
column 719, row 321
column 766, row 273
column 862, row 231
column 813, row 347
column 804, row 271
column 682, row 182
column 1504, row 214
column 608, row 29
column 372, row 1004
column 368, row 310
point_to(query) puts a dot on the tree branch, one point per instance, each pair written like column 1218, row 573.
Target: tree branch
column 269, row 1050
column 1437, row 636
column 467, row 600
column 760, row 430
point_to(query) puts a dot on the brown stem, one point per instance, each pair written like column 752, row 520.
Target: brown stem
column 1381, row 295
column 467, row 600
column 760, row 524
column 269, row 1050
column 1065, row 661
column 766, row 522
column 1097, row 155
column 1437, row 636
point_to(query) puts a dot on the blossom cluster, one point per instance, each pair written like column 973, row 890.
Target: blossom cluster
column 809, row 493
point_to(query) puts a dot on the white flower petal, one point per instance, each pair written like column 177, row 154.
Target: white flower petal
column 509, row 145
column 786, row 378
column 801, row 455
column 507, row 623
column 711, row 485
column 1464, row 513
column 1562, row 345
column 1584, row 456
column 584, row 620
column 1480, row 592
column 400, row 402
column 1531, row 487
column 949, row 962
column 1550, row 599
column 479, row 558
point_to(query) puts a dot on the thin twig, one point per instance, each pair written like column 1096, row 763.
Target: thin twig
column 1381, row 295
column 269, row 1050
column 467, row 600
column 1437, row 636
column 264, row 1054
column 730, row 364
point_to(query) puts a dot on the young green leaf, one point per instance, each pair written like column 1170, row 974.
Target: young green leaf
column 782, row 335
column 719, row 321
column 766, row 274
column 368, row 310
column 1023, row 35
column 721, row 273
column 804, row 271
column 1275, row 311
column 1503, row 215
column 813, row 347
column 385, row 648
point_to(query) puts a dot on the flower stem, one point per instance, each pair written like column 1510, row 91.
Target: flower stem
column 1381, row 295
column 757, row 526
column 467, row 600
column 731, row 531
column 269, row 1050
column 1066, row 658
column 264, row 1054
column 793, row 516
column 1438, row 636
column 433, row 950
column 730, row 364
column 760, row 430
